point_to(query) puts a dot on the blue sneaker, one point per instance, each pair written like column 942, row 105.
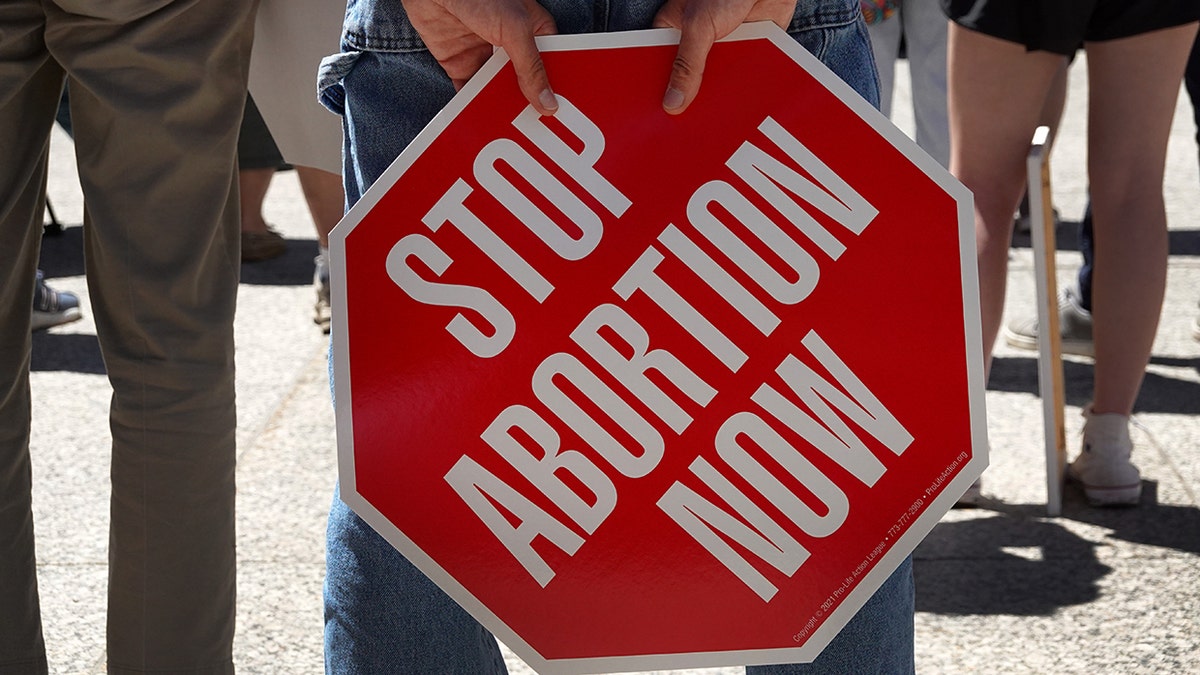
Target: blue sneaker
column 51, row 307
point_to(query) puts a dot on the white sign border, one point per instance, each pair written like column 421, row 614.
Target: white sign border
column 882, row 569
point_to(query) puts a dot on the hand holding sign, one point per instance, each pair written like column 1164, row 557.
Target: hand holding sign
column 701, row 23
column 461, row 34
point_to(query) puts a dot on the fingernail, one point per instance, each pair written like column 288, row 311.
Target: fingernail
column 548, row 100
column 673, row 99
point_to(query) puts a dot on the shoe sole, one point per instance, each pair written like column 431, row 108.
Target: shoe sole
column 1122, row 495
column 1109, row 495
column 1075, row 347
column 43, row 320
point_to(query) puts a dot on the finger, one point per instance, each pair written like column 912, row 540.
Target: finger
column 531, row 71
column 694, row 44
column 460, row 67
column 532, row 78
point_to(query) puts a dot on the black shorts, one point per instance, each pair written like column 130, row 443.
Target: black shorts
column 1062, row 26
column 256, row 147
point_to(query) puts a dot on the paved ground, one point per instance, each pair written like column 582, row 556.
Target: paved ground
column 1000, row 589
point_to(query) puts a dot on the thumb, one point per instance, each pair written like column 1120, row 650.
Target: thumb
column 530, row 70
column 686, row 71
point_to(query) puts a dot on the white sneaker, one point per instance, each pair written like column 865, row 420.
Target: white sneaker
column 1021, row 222
column 1074, row 327
column 1103, row 467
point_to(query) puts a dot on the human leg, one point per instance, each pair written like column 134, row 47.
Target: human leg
column 925, row 43
column 252, row 191
column 31, row 81
column 997, row 91
column 1052, row 110
column 1074, row 304
column 157, row 92
column 258, row 160
column 259, row 240
column 1133, row 86
column 1134, row 83
column 383, row 615
column 885, row 43
column 879, row 639
column 326, row 198
column 1191, row 79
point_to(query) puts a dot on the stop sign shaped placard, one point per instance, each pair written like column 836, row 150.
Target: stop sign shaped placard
column 648, row 391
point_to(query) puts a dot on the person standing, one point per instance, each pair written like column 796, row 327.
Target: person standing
column 920, row 27
column 1003, row 58
column 402, row 62
column 157, row 89
column 1075, row 302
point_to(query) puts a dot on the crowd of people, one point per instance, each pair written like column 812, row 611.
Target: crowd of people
column 153, row 83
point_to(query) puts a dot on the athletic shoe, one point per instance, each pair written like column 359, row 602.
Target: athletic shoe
column 1103, row 467
column 1074, row 325
column 264, row 245
column 51, row 307
column 1022, row 224
column 321, row 311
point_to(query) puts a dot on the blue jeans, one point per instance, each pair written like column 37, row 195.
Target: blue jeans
column 382, row 615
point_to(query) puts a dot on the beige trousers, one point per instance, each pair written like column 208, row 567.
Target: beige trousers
column 157, row 90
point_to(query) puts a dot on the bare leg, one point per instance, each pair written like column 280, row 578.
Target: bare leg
column 1056, row 101
column 325, row 196
column 1133, row 84
column 326, row 199
column 997, row 93
column 253, row 184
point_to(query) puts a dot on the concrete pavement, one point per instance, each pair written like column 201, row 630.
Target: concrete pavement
column 999, row 589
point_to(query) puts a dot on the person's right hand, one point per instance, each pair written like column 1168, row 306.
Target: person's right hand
column 461, row 34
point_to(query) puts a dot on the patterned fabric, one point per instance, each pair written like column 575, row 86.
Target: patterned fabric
column 875, row 11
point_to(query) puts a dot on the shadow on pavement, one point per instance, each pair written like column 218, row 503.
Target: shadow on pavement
column 62, row 253
column 1014, row 560
column 1005, row 564
column 1159, row 393
column 293, row 268
column 1066, row 238
column 1167, row 526
column 71, row 352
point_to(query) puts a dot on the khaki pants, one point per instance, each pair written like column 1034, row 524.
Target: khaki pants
column 157, row 90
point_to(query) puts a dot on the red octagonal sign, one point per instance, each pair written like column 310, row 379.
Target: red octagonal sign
column 643, row 391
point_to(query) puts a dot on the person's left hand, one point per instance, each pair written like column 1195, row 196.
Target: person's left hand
column 700, row 24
